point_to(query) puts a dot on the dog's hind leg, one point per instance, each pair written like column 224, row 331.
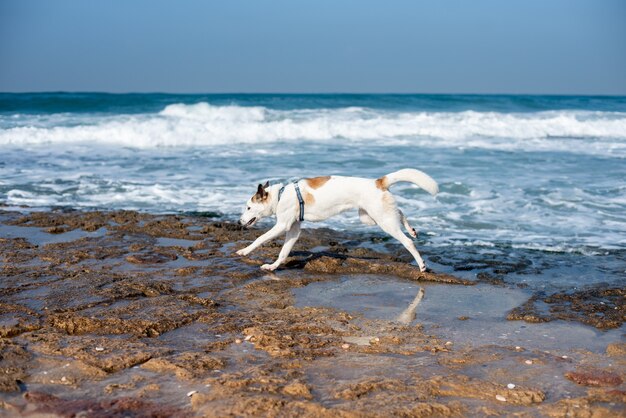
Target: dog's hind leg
column 391, row 226
column 365, row 218
column 290, row 239
column 388, row 217
column 412, row 232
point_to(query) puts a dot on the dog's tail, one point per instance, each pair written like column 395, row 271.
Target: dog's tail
column 410, row 175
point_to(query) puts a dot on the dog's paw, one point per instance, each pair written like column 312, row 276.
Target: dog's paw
column 268, row 267
column 423, row 268
column 243, row 252
column 413, row 233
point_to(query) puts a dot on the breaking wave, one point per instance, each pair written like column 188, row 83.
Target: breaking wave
column 203, row 124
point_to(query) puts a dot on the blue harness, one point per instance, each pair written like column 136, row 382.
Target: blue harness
column 300, row 200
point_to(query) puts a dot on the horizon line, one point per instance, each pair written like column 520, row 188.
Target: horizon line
column 313, row 93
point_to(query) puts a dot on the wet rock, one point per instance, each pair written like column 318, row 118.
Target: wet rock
column 13, row 362
column 186, row 365
column 527, row 312
column 464, row 386
column 78, row 311
column 298, row 389
column 57, row 230
column 16, row 250
column 469, row 357
column 493, row 264
column 337, row 265
column 264, row 405
column 492, row 279
column 582, row 408
column 144, row 317
column 429, row 409
column 114, row 387
column 64, row 371
column 151, row 258
column 15, row 320
column 616, row 349
column 118, row 354
column 594, row 377
column 43, row 403
column 365, row 387
column 133, row 287
column 206, row 302
column 602, row 307
column 287, row 341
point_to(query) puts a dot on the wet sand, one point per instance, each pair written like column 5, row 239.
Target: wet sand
column 131, row 314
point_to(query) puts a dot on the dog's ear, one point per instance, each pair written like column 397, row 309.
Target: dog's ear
column 266, row 185
column 261, row 194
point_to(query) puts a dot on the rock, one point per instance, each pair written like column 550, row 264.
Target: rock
column 184, row 366
column 13, row 361
column 500, row 398
column 154, row 258
column 600, row 306
column 594, row 377
column 42, row 404
column 297, row 389
column 616, row 349
column 340, row 265
column 462, row 386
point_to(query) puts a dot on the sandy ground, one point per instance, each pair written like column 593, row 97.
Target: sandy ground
column 131, row 314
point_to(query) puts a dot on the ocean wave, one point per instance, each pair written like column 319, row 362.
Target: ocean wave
column 203, row 124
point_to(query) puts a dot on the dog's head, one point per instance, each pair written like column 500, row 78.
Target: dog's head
column 257, row 207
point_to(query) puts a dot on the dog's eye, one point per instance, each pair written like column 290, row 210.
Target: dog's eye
column 248, row 208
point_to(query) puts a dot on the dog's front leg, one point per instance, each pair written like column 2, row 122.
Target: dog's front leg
column 276, row 230
column 292, row 236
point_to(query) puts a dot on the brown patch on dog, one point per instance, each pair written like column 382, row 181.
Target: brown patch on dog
column 308, row 198
column 382, row 184
column 317, row 182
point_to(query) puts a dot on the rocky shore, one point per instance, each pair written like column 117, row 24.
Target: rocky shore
column 132, row 314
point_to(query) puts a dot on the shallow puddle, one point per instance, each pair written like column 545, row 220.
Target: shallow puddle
column 466, row 315
column 175, row 242
column 40, row 237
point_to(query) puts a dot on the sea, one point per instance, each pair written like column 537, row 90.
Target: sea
column 533, row 173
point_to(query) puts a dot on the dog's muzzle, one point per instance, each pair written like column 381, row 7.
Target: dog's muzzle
column 249, row 223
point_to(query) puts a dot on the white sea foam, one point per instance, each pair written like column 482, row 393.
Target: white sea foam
column 203, row 124
column 481, row 220
column 198, row 157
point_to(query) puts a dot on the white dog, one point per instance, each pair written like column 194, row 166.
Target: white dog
column 319, row 198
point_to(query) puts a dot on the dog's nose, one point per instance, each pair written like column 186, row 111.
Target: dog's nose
column 240, row 222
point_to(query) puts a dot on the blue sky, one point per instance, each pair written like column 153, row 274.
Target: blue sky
column 440, row 46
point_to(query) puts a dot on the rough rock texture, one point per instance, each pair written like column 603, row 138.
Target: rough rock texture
column 144, row 315
column 594, row 377
column 603, row 307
